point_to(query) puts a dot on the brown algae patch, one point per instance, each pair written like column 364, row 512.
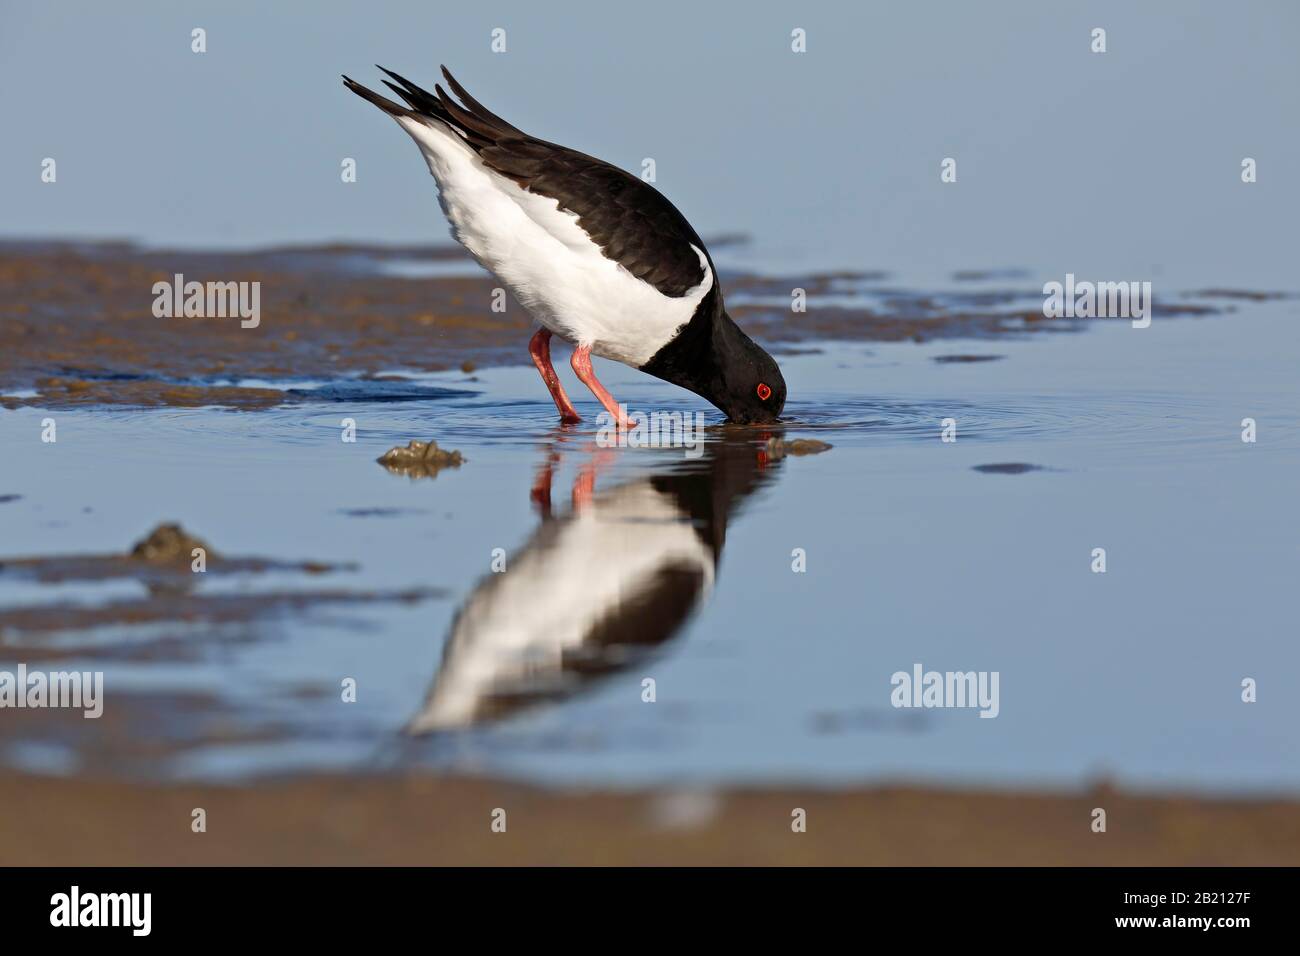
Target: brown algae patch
column 167, row 554
column 778, row 448
column 168, row 544
column 420, row 459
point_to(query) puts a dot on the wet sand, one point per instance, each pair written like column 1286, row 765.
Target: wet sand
column 80, row 328
column 77, row 326
column 425, row 820
column 163, row 565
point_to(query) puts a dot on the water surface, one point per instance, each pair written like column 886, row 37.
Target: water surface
column 913, row 554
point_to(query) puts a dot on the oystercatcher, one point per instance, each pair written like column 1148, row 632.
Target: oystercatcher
column 595, row 254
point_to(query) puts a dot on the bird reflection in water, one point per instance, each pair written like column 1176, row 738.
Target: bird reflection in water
column 601, row 584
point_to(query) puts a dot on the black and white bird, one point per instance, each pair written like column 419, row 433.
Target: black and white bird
column 595, row 254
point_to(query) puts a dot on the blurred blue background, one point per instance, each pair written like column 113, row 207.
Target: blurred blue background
column 1123, row 165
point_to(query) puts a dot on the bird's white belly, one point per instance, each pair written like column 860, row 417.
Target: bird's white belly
column 546, row 260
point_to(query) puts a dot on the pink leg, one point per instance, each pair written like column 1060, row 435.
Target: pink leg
column 581, row 363
column 540, row 349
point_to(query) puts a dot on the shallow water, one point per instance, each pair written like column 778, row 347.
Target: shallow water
column 913, row 556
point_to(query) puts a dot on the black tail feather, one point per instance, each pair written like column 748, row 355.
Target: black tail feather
column 475, row 106
column 464, row 118
column 476, row 123
column 385, row 104
column 419, row 99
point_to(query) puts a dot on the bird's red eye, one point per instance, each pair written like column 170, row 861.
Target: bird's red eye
column 764, row 392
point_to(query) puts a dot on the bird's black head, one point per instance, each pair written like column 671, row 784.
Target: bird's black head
column 715, row 359
column 749, row 386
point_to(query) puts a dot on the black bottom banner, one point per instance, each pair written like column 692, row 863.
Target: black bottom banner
column 333, row 905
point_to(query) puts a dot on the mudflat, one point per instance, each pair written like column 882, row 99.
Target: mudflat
column 429, row 820
column 78, row 325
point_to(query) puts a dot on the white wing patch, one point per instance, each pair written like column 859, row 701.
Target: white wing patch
column 545, row 258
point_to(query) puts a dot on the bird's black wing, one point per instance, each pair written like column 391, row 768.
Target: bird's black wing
column 629, row 220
